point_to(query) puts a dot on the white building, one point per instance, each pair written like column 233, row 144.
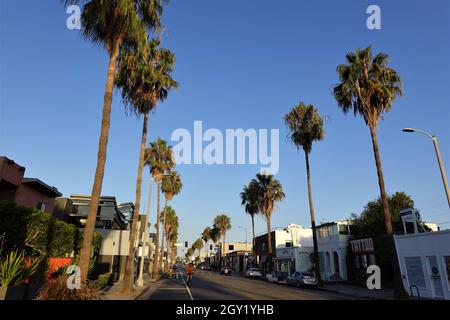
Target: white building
column 332, row 240
column 424, row 259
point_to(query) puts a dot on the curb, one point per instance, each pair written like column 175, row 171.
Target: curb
column 351, row 295
column 154, row 284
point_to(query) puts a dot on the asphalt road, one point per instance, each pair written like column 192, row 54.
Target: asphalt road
column 208, row 285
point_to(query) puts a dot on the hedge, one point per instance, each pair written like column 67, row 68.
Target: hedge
column 39, row 233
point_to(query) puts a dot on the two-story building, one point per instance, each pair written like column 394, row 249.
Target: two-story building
column 27, row 192
column 291, row 249
column 332, row 241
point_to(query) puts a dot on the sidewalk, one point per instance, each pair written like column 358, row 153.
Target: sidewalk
column 114, row 292
column 359, row 292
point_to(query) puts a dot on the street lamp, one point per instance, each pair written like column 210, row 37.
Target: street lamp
column 140, row 281
column 438, row 155
column 240, row 227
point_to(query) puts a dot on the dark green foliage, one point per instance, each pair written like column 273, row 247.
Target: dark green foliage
column 39, row 233
column 104, row 280
column 371, row 220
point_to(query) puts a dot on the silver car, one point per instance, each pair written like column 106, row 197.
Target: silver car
column 253, row 273
column 299, row 279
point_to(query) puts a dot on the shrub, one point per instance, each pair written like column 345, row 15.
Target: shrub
column 106, row 279
column 15, row 269
column 57, row 290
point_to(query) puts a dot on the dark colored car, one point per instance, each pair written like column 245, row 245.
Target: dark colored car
column 225, row 270
column 299, row 279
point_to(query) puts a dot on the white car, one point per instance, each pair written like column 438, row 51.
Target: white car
column 253, row 273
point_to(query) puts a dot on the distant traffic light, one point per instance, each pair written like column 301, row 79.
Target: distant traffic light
column 210, row 247
column 186, row 244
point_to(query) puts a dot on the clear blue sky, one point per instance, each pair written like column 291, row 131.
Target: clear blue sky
column 240, row 64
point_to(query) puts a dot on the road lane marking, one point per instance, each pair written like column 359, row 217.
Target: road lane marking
column 189, row 291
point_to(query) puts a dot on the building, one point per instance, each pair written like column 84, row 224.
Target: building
column 284, row 256
column 332, row 241
column 115, row 248
column 27, row 192
column 424, row 260
column 110, row 215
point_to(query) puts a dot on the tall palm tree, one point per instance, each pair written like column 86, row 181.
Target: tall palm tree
column 159, row 158
column 223, row 223
column 170, row 223
column 206, row 236
column 214, row 235
column 368, row 87
column 269, row 191
column 171, row 186
column 145, row 78
column 249, row 199
column 306, row 127
column 111, row 24
column 198, row 245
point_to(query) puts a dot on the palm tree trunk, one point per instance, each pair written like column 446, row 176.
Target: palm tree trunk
column 127, row 281
column 163, row 237
column 223, row 249
column 376, row 151
column 253, row 240
column 101, row 159
column 269, row 244
column 313, row 220
column 158, row 217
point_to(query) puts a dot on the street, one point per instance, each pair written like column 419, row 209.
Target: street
column 208, row 285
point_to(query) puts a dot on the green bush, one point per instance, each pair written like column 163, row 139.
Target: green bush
column 106, row 279
column 40, row 234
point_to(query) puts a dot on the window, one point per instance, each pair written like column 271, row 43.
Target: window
column 343, row 229
column 41, row 206
column 230, row 247
column 414, row 270
column 288, row 244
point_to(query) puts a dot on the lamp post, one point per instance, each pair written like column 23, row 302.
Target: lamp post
column 140, row 281
column 240, row 227
column 438, row 155
column 112, row 258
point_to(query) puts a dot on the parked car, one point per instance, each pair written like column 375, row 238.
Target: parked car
column 253, row 273
column 299, row 279
column 277, row 277
column 225, row 270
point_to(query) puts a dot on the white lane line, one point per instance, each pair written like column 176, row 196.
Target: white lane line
column 189, row 291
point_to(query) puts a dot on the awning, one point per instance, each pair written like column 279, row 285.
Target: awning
column 263, row 259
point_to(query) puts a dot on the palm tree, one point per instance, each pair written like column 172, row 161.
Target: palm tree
column 269, row 191
column 206, row 236
column 306, row 126
column 111, row 24
column 171, row 185
column 159, row 158
column 198, row 245
column 145, row 78
column 223, row 223
column 214, row 235
column 170, row 223
column 368, row 87
column 249, row 199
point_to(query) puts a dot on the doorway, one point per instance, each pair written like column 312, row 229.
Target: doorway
column 435, row 277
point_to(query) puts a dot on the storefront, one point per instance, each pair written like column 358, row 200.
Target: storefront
column 424, row 260
column 294, row 259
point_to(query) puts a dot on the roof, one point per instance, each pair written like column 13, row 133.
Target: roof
column 41, row 187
